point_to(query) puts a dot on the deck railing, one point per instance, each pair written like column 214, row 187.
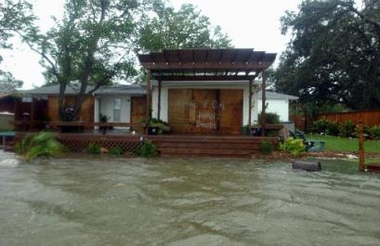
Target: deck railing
column 74, row 126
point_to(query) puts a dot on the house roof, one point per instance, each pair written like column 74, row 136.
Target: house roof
column 119, row 89
column 52, row 90
column 206, row 64
column 3, row 95
column 274, row 95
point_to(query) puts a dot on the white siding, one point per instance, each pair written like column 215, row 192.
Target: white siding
column 106, row 107
column 278, row 106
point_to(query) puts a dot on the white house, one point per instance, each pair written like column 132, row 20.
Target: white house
column 275, row 103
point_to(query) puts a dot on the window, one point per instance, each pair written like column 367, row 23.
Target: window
column 116, row 109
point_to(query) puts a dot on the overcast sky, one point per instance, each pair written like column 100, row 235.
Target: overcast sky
column 249, row 23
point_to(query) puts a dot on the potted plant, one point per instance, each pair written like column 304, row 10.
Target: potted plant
column 104, row 119
column 156, row 126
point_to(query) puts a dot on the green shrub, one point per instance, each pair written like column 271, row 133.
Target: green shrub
column 332, row 129
column 325, row 126
column 163, row 126
column 42, row 144
column 374, row 132
column 93, row 149
column 293, row 146
column 266, row 147
column 146, row 149
column 116, row 151
column 270, row 118
column 347, row 129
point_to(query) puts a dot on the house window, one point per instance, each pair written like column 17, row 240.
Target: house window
column 116, row 109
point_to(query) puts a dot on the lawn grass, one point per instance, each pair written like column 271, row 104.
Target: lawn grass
column 339, row 144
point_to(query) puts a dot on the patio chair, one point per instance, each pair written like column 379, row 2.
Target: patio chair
column 312, row 145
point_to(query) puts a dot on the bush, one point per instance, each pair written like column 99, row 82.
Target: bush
column 42, row 144
column 293, row 146
column 115, row 151
column 147, row 149
column 93, row 149
column 325, row 126
column 374, row 132
column 347, row 129
column 270, row 118
column 266, row 147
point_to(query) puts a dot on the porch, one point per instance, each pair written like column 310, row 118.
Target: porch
column 170, row 145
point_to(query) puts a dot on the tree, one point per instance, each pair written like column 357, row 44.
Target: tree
column 91, row 46
column 185, row 28
column 15, row 19
column 96, row 42
column 8, row 83
column 334, row 54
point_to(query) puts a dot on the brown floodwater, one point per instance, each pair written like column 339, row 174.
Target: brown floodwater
column 134, row 201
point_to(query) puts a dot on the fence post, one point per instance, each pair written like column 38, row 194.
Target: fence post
column 361, row 147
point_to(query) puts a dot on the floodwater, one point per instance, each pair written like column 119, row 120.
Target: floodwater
column 134, row 201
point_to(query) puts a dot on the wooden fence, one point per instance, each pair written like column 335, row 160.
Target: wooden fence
column 369, row 118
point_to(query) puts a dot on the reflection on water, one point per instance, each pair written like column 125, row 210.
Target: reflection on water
column 109, row 201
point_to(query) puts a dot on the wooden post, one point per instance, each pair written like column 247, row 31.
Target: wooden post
column 159, row 100
column 250, row 105
column 148, row 101
column 361, row 147
column 263, row 99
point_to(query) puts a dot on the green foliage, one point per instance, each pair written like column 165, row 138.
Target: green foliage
column 374, row 132
column 93, row 149
column 330, row 59
column 16, row 19
column 43, row 144
column 295, row 147
column 185, row 28
column 325, row 126
column 333, row 143
column 266, row 147
column 8, row 83
column 103, row 118
column 270, row 118
column 146, row 149
column 163, row 126
column 347, row 129
column 116, row 151
column 90, row 46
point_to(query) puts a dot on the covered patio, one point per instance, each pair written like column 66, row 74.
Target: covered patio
column 205, row 91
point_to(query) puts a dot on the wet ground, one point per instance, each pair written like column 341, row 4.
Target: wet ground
column 134, row 201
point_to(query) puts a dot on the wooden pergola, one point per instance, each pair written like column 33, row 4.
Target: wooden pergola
column 207, row 65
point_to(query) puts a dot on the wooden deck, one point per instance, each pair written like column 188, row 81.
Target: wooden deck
column 209, row 146
column 239, row 146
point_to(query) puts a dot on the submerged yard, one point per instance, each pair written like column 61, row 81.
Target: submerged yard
column 177, row 201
